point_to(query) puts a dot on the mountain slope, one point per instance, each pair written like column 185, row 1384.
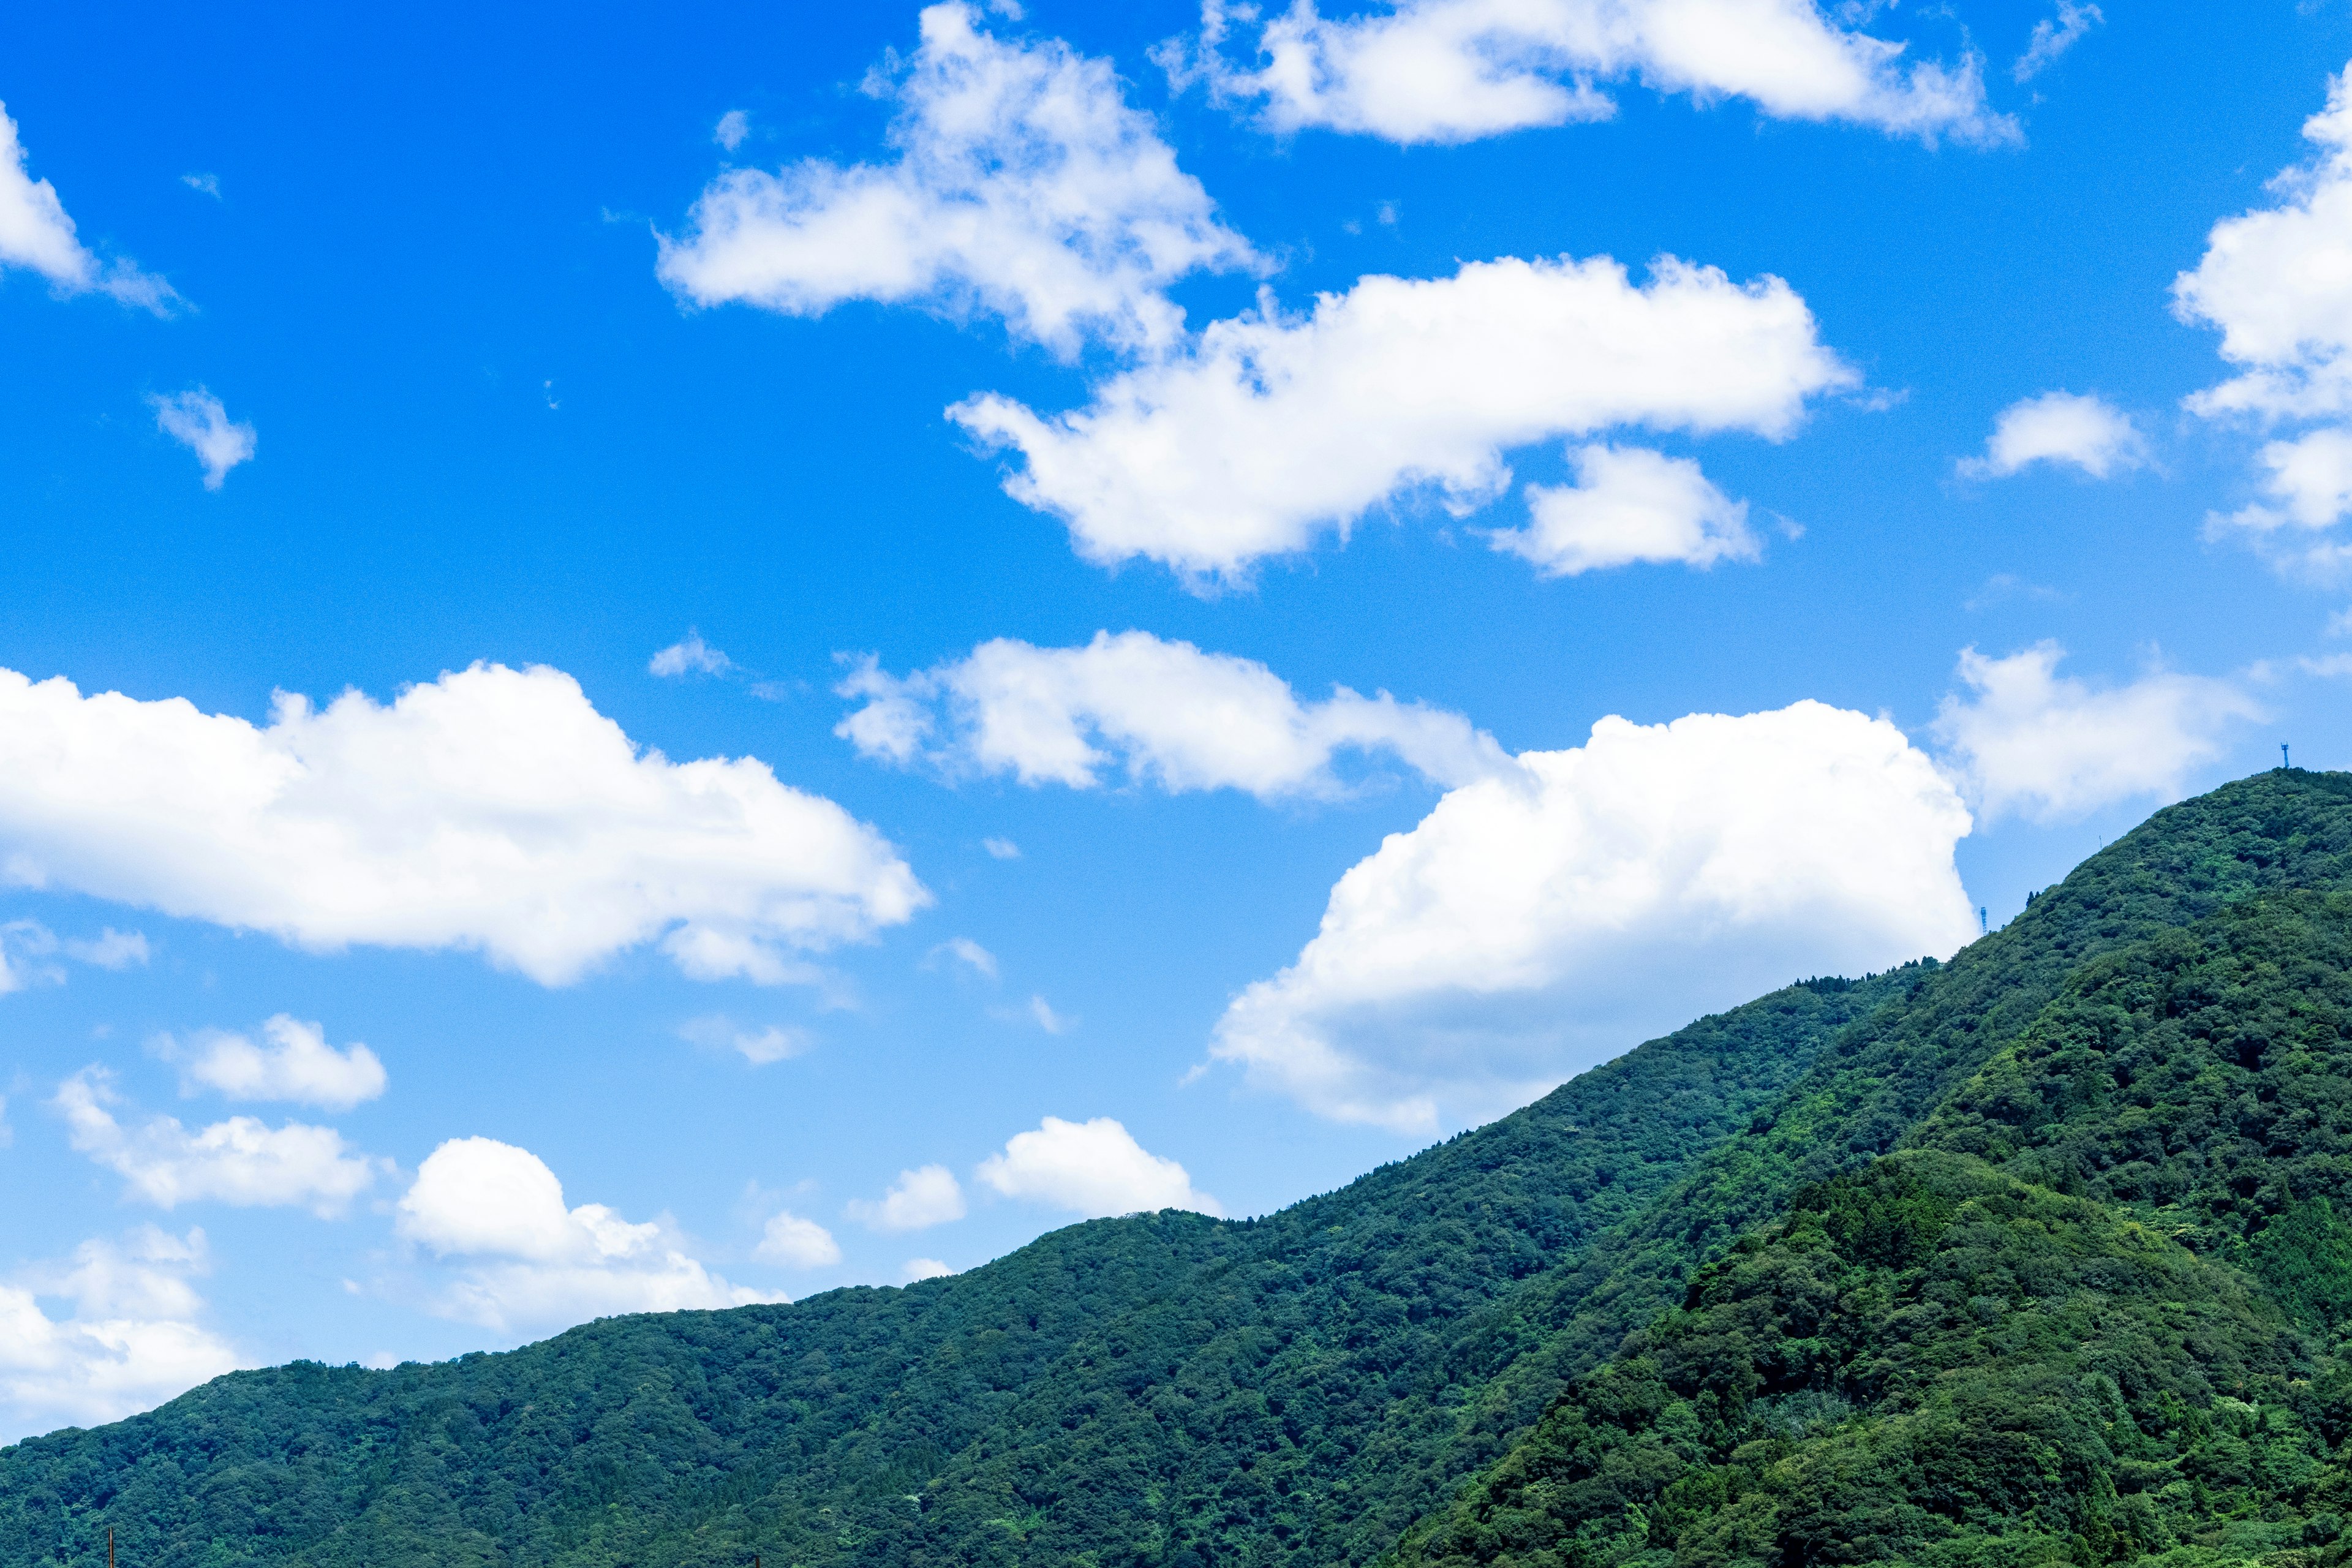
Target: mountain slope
column 1847, row 1228
column 1110, row 1389
column 2086, row 1309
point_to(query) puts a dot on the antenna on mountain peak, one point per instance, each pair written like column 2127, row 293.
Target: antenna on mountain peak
column 2283, row 762
column 1984, row 920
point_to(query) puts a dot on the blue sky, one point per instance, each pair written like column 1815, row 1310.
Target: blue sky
column 894, row 571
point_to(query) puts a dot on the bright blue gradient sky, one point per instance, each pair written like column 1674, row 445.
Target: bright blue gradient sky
column 487, row 432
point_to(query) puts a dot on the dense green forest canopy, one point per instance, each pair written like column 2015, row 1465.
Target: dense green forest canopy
column 2038, row 1255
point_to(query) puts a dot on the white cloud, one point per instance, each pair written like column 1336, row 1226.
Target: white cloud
column 197, row 421
column 241, row 1161
column 919, row 1268
column 797, row 1242
column 2053, row 36
column 2060, row 427
column 1629, row 505
column 1268, row 430
column 524, row 1258
column 1001, row 848
column 297, row 1063
column 1092, row 1168
column 204, row 185
column 971, row 954
column 690, row 654
column 1053, row 1023
column 131, row 1341
column 110, row 949
column 918, row 1199
column 1024, row 187
column 758, row 1047
column 2308, row 483
column 1541, row 921
column 2277, row 281
column 1159, row 712
column 28, row 950
column 732, row 127
column 1455, row 70
column 492, row 809
column 29, row 953
column 2028, row 741
column 36, row 235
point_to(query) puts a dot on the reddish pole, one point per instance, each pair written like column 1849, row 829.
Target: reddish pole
column 110, row 1548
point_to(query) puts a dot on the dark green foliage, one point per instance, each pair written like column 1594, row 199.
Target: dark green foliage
column 1881, row 1215
column 2304, row 1257
column 2041, row 1369
column 2059, row 1325
column 2036, row 1255
column 1285, row 1390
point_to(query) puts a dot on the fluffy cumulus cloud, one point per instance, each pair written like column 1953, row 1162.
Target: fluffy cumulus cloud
column 1543, row 920
column 493, row 809
column 124, row 1335
column 2026, row 740
column 1628, row 504
column 292, row 1061
column 36, row 235
column 797, row 1242
column 1150, row 711
column 1270, row 430
column 918, row 1200
column 198, row 421
column 1454, row 70
column 2277, row 281
column 241, row 1161
column 2081, row 431
column 1022, row 185
column 1091, row 1168
column 495, row 1214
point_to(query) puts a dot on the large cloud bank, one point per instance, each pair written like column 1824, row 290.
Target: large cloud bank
column 1268, row 430
column 2277, row 281
column 1157, row 711
column 2028, row 741
column 1539, row 921
column 243, row 1160
column 492, row 809
column 1455, row 70
column 524, row 1258
column 1024, row 186
column 128, row 1335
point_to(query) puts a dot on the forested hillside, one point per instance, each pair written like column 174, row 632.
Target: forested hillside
column 2038, row 1255
column 1289, row 1388
column 2088, row 1310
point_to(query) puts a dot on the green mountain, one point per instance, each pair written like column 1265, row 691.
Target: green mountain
column 2040, row 1255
